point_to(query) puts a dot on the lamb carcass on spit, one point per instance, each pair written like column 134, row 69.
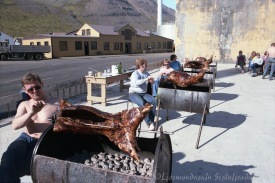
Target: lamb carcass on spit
column 183, row 79
column 120, row 128
column 199, row 63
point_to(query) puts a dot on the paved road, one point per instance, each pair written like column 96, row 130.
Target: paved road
column 63, row 69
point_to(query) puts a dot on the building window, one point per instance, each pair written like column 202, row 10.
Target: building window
column 31, row 43
column 121, row 47
column 116, row 45
column 128, row 34
column 164, row 45
column 122, row 32
column 38, row 43
column 83, row 32
column 106, row 46
column 145, row 45
column 46, row 43
column 93, row 45
column 8, row 41
column 152, row 45
column 138, row 46
column 78, row 45
column 169, row 45
column 88, row 32
column 63, row 46
column 158, row 45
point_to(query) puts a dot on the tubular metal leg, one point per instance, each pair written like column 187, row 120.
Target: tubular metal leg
column 202, row 123
column 156, row 127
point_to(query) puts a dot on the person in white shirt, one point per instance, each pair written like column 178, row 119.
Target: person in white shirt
column 138, row 90
column 256, row 63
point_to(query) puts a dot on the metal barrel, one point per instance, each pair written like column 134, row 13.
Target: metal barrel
column 50, row 158
column 191, row 99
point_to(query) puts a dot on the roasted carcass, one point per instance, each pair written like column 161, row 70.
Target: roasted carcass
column 183, row 79
column 120, row 128
column 199, row 63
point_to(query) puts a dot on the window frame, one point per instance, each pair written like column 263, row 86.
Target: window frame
column 116, row 45
column 106, row 46
column 78, row 45
column 88, row 31
column 93, row 45
column 158, row 45
column 63, row 47
column 138, row 45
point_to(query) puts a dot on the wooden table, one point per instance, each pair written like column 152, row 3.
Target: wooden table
column 103, row 81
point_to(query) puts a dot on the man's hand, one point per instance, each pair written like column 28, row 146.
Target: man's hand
column 37, row 106
column 150, row 79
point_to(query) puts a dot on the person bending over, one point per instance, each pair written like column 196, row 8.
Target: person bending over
column 32, row 115
column 138, row 90
column 241, row 60
column 174, row 64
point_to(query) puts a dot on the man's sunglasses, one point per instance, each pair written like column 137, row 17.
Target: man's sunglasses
column 34, row 88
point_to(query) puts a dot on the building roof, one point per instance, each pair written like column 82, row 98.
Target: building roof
column 113, row 30
column 104, row 29
column 142, row 33
column 41, row 36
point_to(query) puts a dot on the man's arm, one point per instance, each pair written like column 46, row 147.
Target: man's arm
column 23, row 117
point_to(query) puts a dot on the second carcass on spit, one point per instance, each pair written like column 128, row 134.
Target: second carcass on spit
column 120, row 128
column 199, row 63
column 182, row 79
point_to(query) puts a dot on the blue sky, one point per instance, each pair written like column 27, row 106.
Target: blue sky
column 170, row 3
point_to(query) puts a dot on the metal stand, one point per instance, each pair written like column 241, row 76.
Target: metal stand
column 203, row 119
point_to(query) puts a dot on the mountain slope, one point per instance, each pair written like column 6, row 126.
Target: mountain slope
column 25, row 18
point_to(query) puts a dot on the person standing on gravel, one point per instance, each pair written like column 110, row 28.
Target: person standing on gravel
column 35, row 117
column 271, row 62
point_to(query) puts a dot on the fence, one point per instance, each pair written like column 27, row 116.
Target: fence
column 64, row 90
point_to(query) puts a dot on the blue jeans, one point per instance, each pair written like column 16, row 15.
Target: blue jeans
column 249, row 64
column 16, row 161
column 156, row 85
column 271, row 62
column 141, row 99
column 254, row 67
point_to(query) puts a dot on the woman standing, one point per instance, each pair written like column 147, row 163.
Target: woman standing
column 138, row 90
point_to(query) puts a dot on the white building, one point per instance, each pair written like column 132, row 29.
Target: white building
column 165, row 29
column 9, row 39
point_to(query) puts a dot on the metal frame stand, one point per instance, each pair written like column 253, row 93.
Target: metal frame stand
column 203, row 119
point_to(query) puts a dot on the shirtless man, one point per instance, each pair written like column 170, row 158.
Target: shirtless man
column 32, row 115
column 271, row 61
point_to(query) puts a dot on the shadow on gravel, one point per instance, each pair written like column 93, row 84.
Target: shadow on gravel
column 218, row 119
column 222, row 85
column 223, row 97
column 208, row 172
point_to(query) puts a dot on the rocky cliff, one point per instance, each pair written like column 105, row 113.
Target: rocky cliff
column 24, row 18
